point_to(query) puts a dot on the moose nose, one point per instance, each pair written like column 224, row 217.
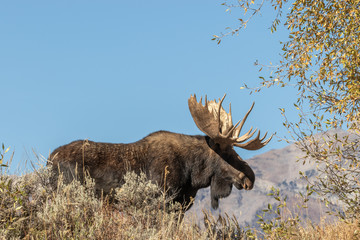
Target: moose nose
column 243, row 182
column 247, row 184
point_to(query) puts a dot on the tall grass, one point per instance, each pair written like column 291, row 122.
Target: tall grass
column 32, row 208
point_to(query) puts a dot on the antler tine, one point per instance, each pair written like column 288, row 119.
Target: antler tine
column 263, row 137
column 255, row 143
column 246, row 136
column 269, row 139
column 206, row 102
column 219, row 111
column 232, row 128
column 220, row 102
column 243, row 121
column 230, row 115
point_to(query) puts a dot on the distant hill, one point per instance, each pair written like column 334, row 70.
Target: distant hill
column 278, row 168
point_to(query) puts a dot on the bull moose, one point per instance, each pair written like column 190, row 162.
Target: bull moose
column 193, row 162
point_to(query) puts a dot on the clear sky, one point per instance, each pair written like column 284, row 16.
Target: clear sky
column 115, row 71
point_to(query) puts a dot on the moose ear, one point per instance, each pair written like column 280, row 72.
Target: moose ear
column 219, row 188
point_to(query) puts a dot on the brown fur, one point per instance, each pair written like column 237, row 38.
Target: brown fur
column 193, row 162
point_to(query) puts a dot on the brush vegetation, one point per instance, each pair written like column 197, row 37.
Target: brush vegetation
column 32, row 208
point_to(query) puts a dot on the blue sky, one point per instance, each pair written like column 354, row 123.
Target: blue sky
column 115, row 71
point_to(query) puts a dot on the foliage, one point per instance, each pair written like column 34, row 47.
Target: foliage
column 140, row 194
column 321, row 58
column 278, row 222
column 141, row 199
column 276, row 225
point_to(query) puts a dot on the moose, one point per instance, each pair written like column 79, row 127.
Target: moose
column 192, row 162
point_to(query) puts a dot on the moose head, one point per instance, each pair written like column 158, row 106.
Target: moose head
column 216, row 123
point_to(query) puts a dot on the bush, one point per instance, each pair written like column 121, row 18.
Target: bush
column 31, row 208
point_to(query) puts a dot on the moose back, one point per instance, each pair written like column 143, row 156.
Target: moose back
column 193, row 162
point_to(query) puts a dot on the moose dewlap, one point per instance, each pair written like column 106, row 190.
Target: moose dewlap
column 193, row 162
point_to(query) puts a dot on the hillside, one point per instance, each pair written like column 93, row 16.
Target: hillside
column 32, row 209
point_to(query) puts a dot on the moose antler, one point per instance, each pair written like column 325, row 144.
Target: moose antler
column 215, row 122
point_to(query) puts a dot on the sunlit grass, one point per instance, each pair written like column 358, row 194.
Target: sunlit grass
column 32, row 207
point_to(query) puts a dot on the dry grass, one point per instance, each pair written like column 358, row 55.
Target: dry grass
column 337, row 230
column 30, row 208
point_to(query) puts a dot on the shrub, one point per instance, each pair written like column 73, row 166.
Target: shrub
column 31, row 208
